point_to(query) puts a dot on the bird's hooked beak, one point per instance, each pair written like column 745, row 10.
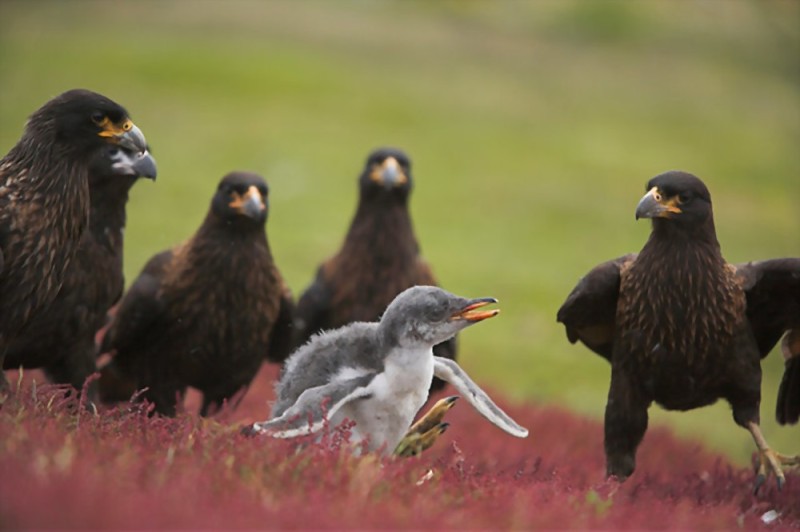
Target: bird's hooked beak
column 125, row 135
column 655, row 205
column 470, row 313
column 134, row 164
column 389, row 173
column 250, row 204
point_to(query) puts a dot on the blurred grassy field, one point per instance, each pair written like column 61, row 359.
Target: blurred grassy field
column 533, row 127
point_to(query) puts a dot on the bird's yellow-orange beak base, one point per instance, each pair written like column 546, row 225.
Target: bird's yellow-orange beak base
column 655, row 204
column 250, row 204
column 389, row 173
column 124, row 133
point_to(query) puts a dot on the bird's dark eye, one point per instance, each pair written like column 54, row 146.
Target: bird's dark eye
column 263, row 190
column 683, row 197
column 98, row 117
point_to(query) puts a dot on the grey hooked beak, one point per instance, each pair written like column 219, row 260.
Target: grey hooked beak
column 125, row 134
column 132, row 164
column 655, row 205
column 389, row 173
column 250, row 204
column 132, row 139
column 145, row 166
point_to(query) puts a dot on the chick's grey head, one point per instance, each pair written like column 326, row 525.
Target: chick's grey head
column 423, row 316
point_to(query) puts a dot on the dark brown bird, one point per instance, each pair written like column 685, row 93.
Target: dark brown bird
column 60, row 339
column 44, row 200
column 379, row 259
column 205, row 313
column 684, row 328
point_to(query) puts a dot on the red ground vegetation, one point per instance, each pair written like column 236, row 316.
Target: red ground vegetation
column 67, row 467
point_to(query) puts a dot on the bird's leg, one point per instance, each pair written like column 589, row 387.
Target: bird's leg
column 625, row 425
column 413, row 444
column 770, row 462
column 73, row 367
column 424, row 433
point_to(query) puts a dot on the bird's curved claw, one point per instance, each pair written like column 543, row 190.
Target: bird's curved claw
column 772, row 463
column 760, row 479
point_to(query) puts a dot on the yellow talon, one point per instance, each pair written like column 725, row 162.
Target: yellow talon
column 424, row 433
column 770, row 462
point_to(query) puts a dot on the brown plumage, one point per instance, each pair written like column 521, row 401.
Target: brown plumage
column 60, row 339
column 44, row 200
column 379, row 259
column 684, row 328
column 205, row 313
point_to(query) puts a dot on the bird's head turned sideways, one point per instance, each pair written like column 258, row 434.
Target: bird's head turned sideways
column 242, row 199
column 677, row 200
column 85, row 120
column 427, row 315
column 112, row 161
column 387, row 174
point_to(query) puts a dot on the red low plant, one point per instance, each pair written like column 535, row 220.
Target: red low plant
column 64, row 466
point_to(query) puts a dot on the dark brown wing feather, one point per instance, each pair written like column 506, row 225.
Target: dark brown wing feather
column 313, row 309
column 140, row 307
column 280, row 337
column 787, row 410
column 773, row 309
column 137, row 311
column 590, row 309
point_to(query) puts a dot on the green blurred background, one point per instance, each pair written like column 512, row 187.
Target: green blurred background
column 533, row 127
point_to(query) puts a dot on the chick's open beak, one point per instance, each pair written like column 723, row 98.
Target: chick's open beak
column 470, row 313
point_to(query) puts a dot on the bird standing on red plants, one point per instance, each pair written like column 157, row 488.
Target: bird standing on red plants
column 379, row 259
column 60, row 339
column 377, row 374
column 206, row 313
column 44, row 200
column 683, row 328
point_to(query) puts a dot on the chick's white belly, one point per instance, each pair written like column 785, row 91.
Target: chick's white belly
column 396, row 395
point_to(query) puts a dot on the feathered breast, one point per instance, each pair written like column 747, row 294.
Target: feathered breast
column 678, row 302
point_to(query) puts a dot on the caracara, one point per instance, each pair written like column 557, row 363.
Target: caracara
column 60, row 339
column 684, row 328
column 206, row 313
column 44, row 200
column 379, row 259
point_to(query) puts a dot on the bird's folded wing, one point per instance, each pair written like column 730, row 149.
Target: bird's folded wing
column 589, row 312
column 449, row 371
column 315, row 406
column 280, row 337
column 773, row 311
column 140, row 307
column 312, row 309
